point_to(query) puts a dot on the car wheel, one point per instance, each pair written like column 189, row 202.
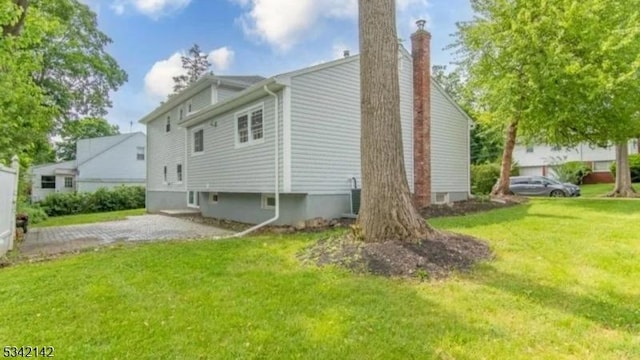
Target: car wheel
column 557, row 193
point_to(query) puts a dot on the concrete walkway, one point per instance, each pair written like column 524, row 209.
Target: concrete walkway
column 52, row 240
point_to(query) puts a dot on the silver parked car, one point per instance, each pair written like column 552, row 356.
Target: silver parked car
column 542, row 186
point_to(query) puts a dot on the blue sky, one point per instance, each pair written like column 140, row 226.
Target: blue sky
column 262, row 37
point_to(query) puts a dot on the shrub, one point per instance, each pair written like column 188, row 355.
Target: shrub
column 634, row 164
column 483, row 177
column 102, row 200
column 34, row 211
column 571, row 172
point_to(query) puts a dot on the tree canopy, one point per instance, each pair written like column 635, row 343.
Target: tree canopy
column 87, row 128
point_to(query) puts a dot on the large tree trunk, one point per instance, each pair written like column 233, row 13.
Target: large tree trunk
column 16, row 29
column 623, row 186
column 502, row 187
column 387, row 211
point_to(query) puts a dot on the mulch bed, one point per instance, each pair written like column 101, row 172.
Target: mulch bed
column 429, row 259
column 470, row 206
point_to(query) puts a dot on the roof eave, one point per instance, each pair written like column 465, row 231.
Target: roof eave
column 250, row 94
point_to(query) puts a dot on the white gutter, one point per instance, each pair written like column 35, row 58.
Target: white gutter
column 277, row 172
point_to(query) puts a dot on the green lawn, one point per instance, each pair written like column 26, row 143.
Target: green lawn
column 89, row 218
column 599, row 190
column 564, row 284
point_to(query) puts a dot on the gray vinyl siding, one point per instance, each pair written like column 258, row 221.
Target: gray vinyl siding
column 225, row 93
column 325, row 127
column 450, row 145
column 201, row 99
column 165, row 149
column 223, row 167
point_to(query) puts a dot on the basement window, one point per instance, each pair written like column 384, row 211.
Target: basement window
column 213, row 198
column 442, row 198
column 268, row 201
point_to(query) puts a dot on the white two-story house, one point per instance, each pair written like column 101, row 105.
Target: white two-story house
column 287, row 148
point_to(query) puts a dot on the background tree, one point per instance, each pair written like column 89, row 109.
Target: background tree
column 387, row 211
column 77, row 73
column 557, row 72
column 87, row 128
column 486, row 140
column 196, row 64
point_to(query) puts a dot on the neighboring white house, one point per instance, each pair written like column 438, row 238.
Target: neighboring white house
column 100, row 162
column 239, row 147
column 538, row 159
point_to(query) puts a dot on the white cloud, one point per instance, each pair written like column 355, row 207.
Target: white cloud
column 151, row 8
column 221, row 59
column 284, row 23
column 158, row 82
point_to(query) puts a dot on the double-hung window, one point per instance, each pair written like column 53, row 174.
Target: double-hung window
column 167, row 127
column 250, row 126
column 198, row 141
column 140, row 152
column 179, row 172
column 48, row 182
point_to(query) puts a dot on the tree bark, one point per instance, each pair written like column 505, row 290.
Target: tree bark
column 623, row 186
column 16, row 29
column 387, row 211
column 502, row 187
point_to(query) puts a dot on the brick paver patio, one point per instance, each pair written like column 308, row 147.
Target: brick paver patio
column 51, row 240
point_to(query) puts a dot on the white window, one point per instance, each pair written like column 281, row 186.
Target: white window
column 602, row 166
column 198, row 141
column 140, row 152
column 165, row 174
column 442, row 198
column 68, row 182
column 181, row 114
column 179, row 172
column 213, row 198
column 189, row 107
column 268, row 201
column 193, row 199
column 167, row 126
column 529, row 148
column 250, row 126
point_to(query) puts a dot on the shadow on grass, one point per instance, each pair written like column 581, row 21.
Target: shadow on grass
column 614, row 311
column 603, row 205
column 492, row 217
column 552, row 217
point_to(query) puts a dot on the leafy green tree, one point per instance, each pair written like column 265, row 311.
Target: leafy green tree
column 77, row 73
column 196, row 64
column 486, row 141
column 25, row 116
column 560, row 72
column 87, row 128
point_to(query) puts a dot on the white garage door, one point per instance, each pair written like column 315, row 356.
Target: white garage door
column 531, row 171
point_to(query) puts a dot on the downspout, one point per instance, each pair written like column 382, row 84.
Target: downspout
column 277, row 172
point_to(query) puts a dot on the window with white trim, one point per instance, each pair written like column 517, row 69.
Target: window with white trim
column 250, row 126
column 167, row 126
column 181, row 114
column 213, row 198
column 193, row 199
column 179, row 172
column 198, row 141
column 189, row 107
column 268, row 201
column 68, row 182
column 140, row 152
column 165, row 174
column 529, row 148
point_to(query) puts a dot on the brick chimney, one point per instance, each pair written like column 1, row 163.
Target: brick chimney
column 421, row 52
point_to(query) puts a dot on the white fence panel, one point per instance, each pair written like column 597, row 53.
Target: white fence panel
column 8, row 197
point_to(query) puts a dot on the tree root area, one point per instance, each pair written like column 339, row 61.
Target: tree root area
column 429, row 259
